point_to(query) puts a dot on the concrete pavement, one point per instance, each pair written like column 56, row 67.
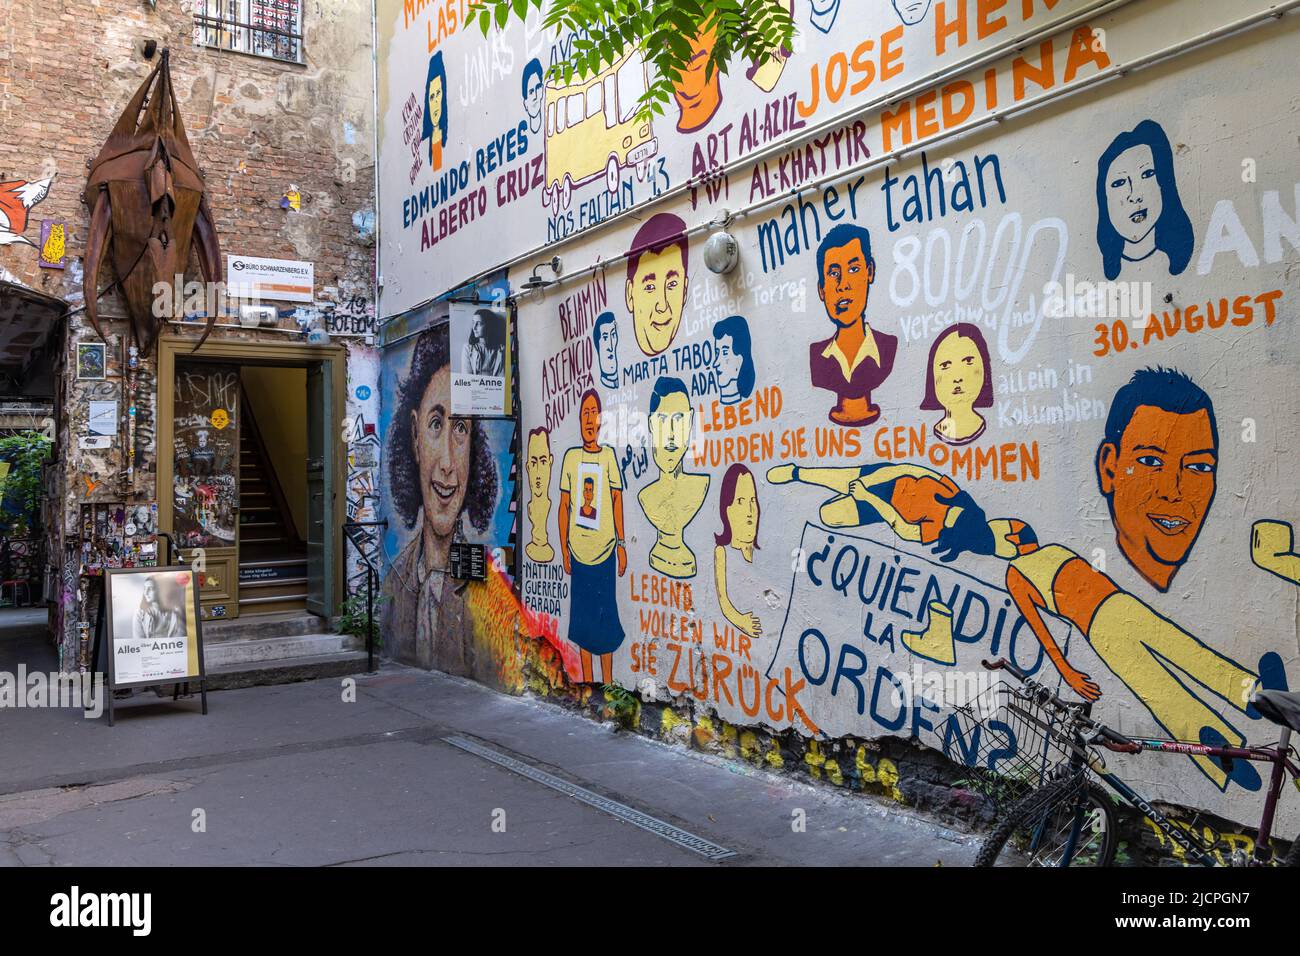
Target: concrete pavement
column 296, row 775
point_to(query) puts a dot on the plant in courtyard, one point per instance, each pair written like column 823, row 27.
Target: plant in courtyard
column 20, row 499
column 353, row 618
column 667, row 31
column 620, row 705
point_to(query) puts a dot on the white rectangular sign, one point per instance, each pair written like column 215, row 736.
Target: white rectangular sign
column 479, row 354
column 285, row 280
column 102, row 419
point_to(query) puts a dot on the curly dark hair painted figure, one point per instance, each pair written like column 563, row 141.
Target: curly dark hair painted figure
column 431, row 354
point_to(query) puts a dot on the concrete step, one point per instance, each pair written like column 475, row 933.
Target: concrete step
column 267, row 649
column 256, row 626
column 232, row 676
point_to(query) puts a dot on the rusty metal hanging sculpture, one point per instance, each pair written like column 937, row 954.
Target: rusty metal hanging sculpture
column 147, row 203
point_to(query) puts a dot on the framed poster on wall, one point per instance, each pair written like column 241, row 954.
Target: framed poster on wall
column 480, row 359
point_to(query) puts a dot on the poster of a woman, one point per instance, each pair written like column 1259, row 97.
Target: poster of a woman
column 154, row 618
column 444, row 484
column 484, row 350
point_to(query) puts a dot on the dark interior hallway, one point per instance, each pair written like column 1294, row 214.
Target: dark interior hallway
column 23, row 640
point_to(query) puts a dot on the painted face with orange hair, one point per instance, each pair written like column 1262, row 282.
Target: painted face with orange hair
column 698, row 93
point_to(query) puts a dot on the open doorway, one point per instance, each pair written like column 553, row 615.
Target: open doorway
column 255, row 473
column 30, row 323
column 273, row 497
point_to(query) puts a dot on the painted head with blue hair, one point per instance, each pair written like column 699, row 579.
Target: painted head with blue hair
column 531, row 87
column 670, row 423
column 733, row 362
column 605, row 336
column 435, row 101
column 1139, row 211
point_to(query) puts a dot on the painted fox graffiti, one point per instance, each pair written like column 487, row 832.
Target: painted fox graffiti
column 16, row 200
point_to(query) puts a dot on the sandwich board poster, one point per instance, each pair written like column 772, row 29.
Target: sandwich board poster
column 153, row 615
column 480, row 356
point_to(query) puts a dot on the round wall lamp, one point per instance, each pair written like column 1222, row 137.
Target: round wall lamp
column 721, row 252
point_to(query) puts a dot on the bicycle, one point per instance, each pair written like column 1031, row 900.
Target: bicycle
column 1067, row 818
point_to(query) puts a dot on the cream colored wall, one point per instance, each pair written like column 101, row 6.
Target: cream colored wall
column 278, row 397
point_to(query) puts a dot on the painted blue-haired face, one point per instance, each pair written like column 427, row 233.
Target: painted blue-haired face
column 733, row 362
column 605, row 335
column 435, row 95
column 1139, row 211
column 532, row 92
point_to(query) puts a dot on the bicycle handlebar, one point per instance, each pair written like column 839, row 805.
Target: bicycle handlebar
column 1002, row 664
column 1116, row 741
column 1109, row 739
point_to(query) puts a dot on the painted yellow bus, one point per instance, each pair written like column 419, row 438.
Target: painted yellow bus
column 591, row 129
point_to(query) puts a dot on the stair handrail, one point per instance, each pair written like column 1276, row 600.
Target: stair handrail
column 372, row 580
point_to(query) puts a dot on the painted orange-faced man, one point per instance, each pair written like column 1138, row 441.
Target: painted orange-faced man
column 1156, row 468
column 856, row 359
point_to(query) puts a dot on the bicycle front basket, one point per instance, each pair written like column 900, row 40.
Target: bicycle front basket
column 1009, row 743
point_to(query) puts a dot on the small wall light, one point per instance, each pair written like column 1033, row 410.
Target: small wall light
column 721, row 252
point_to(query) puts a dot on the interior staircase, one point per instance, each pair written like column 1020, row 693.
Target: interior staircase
column 272, row 557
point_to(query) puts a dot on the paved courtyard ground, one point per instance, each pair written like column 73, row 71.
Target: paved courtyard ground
column 420, row 769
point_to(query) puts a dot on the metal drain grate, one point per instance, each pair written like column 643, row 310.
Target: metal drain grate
column 667, row 831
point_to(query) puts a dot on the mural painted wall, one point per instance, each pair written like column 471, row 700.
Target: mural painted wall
column 1004, row 370
column 475, row 146
column 448, row 479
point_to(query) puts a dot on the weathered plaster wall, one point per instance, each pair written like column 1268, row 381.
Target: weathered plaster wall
column 932, row 522
column 260, row 130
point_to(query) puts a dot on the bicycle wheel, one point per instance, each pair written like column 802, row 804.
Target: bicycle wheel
column 1044, row 827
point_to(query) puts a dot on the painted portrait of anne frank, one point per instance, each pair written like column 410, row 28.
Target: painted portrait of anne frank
column 444, row 485
column 1140, row 215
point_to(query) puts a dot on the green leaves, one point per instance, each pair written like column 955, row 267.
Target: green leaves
column 21, row 492
column 669, row 32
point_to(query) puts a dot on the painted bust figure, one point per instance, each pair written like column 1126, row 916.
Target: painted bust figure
column 675, row 497
column 539, row 463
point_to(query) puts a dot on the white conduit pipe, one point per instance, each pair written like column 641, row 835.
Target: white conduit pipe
column 1275, row 12
column 973, row 62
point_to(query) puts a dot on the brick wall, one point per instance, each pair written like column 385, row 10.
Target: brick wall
column 68, row 67
column 257, row 127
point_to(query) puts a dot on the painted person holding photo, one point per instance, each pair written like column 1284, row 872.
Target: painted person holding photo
column 591, row 542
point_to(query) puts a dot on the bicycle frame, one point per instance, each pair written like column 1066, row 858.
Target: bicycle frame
column 1278, row 756
column 1081, row 759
